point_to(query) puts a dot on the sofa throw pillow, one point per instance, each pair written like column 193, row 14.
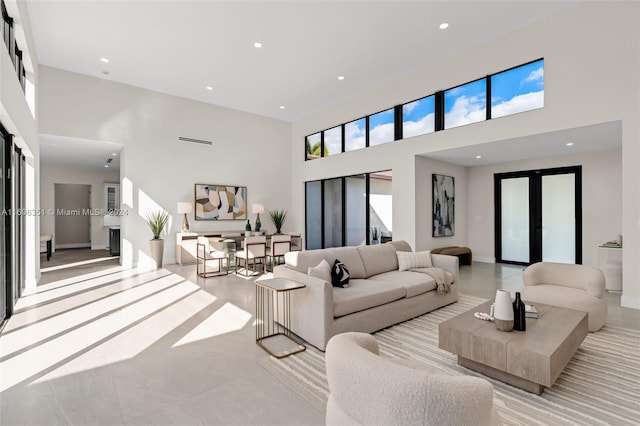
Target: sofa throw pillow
column 322, row 270
column 408, row 260
column 339, row 275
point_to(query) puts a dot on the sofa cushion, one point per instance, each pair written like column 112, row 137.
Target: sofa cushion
column 421, row 259
column 301, row 261
column 339, row 274
column 322, row 270
column 415, row 283
column 378, row 259
column 364, row 294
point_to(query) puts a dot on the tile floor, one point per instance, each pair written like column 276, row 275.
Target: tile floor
column 164, row 347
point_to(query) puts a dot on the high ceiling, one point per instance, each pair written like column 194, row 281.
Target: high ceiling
column 181, row 47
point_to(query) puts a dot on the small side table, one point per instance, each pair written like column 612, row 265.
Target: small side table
column 273, row 313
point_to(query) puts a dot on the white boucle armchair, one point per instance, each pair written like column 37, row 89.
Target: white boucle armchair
column 367, row 389
column 578, row 287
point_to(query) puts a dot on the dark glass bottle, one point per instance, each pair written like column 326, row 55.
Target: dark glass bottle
column 248, row 226
column 519, row 314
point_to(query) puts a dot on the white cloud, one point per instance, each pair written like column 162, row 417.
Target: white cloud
column 353, row 136
column 333, row 141
column 382, row 133
column 536, row 75
column 520, row 103
column 407, row 108
column 466, row 110
column 415, row 128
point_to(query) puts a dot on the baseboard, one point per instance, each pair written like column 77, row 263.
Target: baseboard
column 101, row 247
column 483, row 259
column 79, row 245
column 629, row 302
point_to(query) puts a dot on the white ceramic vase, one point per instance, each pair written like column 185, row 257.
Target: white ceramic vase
column 503, row 311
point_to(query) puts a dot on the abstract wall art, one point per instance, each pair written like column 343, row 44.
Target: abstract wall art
column 220, row 202
column 443, row 206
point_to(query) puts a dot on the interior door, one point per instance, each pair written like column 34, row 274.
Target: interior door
column 539, row 216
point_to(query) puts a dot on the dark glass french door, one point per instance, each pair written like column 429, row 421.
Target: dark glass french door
column 538, row 216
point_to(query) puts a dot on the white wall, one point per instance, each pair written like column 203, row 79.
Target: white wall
column 592, row 71
column 17, row 118
column 157, row 171
column 425, row 167
column 50, row 175
column 601, row 200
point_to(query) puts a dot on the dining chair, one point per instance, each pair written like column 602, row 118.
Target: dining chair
column 279, row 246
column 296, row 241
column 209, row 249
column 254, row 248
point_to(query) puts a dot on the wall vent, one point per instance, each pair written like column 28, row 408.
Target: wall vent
column 186, row 139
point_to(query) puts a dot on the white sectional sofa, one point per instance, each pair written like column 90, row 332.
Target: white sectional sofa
column 379, row 294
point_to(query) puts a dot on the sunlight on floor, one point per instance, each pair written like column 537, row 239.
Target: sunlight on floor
column 102, row 318
column 225, row 320
column 71, row 265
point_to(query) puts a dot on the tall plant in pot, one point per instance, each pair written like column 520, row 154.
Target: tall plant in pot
column 157, row 222
column 278, row 217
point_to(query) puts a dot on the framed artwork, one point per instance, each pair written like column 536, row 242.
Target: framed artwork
column 220, row 202
column 443, row 205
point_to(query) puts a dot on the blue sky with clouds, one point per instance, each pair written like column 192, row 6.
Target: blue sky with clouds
column 516, row 90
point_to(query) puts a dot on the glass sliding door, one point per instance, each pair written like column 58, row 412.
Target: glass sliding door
column 558, row 218
column 313, row 207
column 355, row 210
column 514, row 204
column 381, row 203
column 4, row 225
column 333, row 213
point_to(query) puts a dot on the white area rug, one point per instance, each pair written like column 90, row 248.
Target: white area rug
column 599, row 386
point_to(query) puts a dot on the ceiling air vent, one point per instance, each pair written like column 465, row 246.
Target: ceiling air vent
column 185, row 139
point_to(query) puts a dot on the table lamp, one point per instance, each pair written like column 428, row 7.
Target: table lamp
column 185, row 207
column 257, row 209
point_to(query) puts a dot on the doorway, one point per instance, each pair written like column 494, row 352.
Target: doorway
column 538, row 216
column 73, row 221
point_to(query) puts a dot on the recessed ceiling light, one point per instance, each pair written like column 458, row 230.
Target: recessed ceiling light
column 444, row 26
column 570, row 144
column 209, row 88
column 341, row 77
column 281, row 106
column 478, row 156
column 257, row 45
column 105, row 60
column 106, row 165
column 114, row 154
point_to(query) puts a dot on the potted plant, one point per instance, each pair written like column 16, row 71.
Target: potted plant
column 278, row 217
column 375, row 235
column 157, row 222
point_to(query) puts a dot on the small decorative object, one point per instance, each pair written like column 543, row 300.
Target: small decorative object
column 530, row 311
column 278, row 217
column 247, row 227
column 257, row 209
column 375, row 235
column 503, row 311
column 157, row 221
column 185, row 207
column 443, row 206
column 519, row 314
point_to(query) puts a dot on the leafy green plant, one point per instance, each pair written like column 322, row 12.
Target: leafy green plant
column 157, row 221
column 278, row 217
